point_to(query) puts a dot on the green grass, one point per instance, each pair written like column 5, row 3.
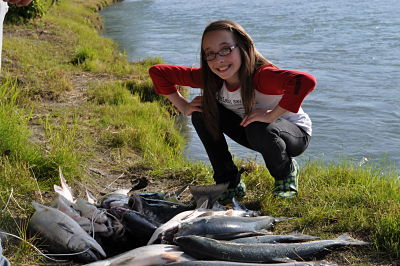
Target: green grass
column 130, row 123
column 13, row 125
column 339, row 197
column 122, row 116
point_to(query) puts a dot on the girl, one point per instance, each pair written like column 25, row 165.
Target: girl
column 247, row 98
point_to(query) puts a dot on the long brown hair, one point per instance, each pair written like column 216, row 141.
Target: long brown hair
column 251, row 61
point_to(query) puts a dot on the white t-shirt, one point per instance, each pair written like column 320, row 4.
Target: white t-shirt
column 233, row 101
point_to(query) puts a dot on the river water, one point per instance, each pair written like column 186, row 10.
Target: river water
column 351, row 47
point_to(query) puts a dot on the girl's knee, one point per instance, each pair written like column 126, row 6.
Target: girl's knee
column 260, row 135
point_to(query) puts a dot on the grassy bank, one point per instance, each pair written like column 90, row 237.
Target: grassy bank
column 69, row 98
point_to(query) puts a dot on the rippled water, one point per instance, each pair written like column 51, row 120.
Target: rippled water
column 351, row 47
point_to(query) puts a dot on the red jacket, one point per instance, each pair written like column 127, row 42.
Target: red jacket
column 293, row 85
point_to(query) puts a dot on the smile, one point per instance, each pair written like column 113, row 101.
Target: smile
column 224, row 68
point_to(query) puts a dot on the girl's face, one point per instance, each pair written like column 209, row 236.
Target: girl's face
column 227, row 66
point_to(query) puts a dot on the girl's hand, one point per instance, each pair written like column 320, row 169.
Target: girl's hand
column 266, row 116
column 260, row 115
column 193, row 106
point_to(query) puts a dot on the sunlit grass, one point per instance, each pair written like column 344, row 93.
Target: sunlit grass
column 133, row 124
column 336, row 198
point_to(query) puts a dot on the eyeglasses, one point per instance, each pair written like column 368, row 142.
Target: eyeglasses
column 223, row 52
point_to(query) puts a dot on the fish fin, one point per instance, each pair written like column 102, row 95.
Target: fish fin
column 283, row 219
column 350, row 240
column 90, row 198
column 156, row 234
column 236, row 205
column 211, row 192
column 202, row 204
column 179, row 192
column 64, row 190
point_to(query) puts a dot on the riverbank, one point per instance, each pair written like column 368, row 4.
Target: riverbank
column 69, row 98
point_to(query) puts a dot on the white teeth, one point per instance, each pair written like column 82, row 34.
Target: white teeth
column 223, row 68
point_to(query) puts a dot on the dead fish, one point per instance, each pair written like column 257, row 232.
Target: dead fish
column 90, row 211
column 211, row 249
column 63, row 234
column 185, row 217
column 135, row 203
column 163, row 195
column 63, row 205
column 138, row 225
column 175, row 222
column 152, row 195
column 158, row 254
column 292, row 238
column 162, row 211
column 231, row 263
column 223, row 227
column 209, row 193
column 114, row 200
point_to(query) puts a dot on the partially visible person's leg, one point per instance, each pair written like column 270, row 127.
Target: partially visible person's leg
column 278, row 142
column 3, row 11
column 218, row 152
column 217, row 149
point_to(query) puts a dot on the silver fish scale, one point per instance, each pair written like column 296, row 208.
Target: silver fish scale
column 206, row 248
column 226, row 227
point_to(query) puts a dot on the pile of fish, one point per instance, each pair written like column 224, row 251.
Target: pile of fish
column 157, row 229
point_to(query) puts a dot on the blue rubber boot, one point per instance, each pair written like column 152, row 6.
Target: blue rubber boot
column 238, row 192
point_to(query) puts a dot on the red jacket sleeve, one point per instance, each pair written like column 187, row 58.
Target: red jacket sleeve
column 166, row 77
column 294, row 85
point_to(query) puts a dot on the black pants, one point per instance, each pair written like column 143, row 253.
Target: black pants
column 277, row 142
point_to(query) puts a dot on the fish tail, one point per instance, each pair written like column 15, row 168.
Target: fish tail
column 283, row 219
column 210, row 192
column 90, row 198
column 350, row 240
column 64, row 190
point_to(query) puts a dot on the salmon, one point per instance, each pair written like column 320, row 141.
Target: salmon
column 211, row 249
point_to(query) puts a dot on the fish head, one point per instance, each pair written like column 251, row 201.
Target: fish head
column 89, row 250
column 90, row 211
